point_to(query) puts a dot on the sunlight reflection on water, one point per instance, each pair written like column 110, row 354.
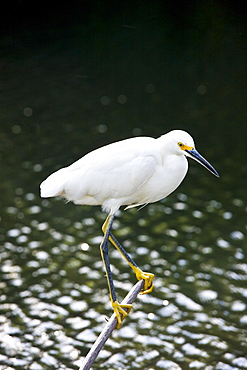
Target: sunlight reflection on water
column 197, row 308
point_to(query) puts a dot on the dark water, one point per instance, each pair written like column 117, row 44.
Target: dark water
column 138, row 70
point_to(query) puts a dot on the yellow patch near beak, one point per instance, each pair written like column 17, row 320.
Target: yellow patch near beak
column 185, row 147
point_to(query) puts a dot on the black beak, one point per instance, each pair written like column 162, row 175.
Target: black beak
column 193, row 153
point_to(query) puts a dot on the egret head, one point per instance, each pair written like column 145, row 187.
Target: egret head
column 185, row 146
column 178, row 141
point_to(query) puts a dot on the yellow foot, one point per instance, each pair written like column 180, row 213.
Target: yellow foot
column 121, row 311
column 148, row 281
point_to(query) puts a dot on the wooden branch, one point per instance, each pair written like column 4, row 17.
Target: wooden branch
column 108, row 329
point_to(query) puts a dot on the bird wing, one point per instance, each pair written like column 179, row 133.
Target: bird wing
column 114, row 178
column 114, row 171
column 125, row 176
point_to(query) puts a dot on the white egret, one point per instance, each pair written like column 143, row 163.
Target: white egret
column 130, row 172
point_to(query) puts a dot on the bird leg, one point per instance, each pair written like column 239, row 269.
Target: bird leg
column 120, row 310
column 140, row 275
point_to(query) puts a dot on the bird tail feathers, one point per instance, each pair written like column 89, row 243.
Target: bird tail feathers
column 53, row 185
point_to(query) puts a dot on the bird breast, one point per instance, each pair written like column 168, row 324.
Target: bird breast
column 165, row 179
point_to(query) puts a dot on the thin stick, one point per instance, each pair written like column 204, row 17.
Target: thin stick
column 108, row 329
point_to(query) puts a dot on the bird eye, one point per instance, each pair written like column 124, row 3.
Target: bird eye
column 180, row 144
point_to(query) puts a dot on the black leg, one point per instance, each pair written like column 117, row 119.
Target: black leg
column 106, row 260
column 121, row 310
column 146, row 276
column 122, row 251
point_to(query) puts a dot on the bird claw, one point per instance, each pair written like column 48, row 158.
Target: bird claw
column 121, row 311
column 148, row 281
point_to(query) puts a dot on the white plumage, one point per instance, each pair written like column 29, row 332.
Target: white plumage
column 135, row 171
